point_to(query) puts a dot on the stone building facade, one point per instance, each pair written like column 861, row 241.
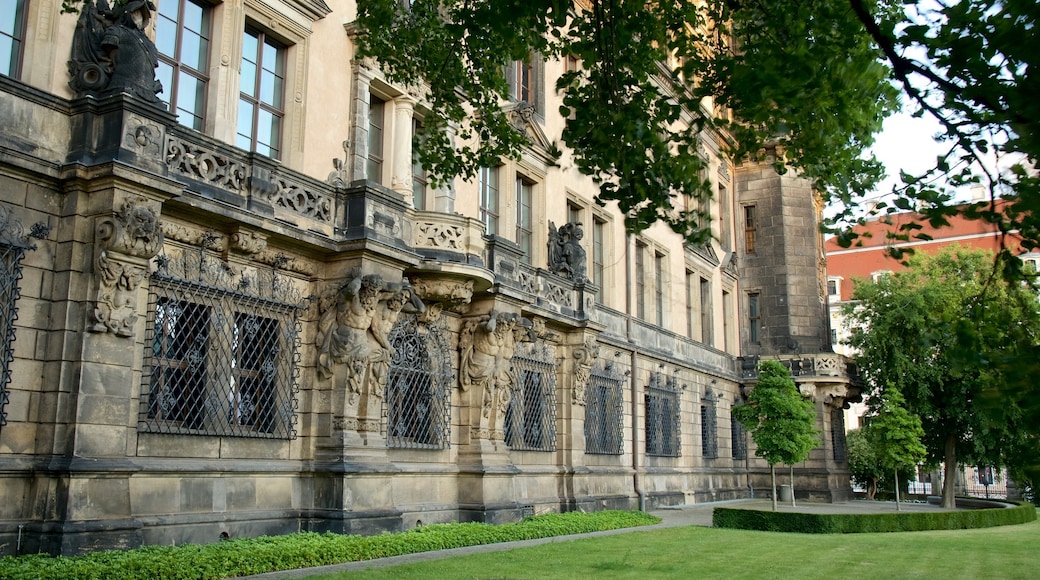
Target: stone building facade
column 236, row 307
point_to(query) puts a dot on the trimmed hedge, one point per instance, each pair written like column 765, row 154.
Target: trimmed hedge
column 246, row 556
column 771, row 521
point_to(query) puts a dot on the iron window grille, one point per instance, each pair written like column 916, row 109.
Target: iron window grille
column 604, row 407
column 709, row 427
column 531, row 415
column 220, row 360
column 838, row 434
column 661, row 417
column 417, row 402
column 738, row 436
column 14, row 243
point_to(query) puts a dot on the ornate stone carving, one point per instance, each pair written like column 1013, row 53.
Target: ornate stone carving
column 248, row 242
column 199, row 164
column 282, row 193
column 125, row 241
column 451, row 293
column 352, row 334
column 439, row 236
column 566, row 256
column 383, row 222
column 488, row 344
column 585, row 356
column 143, row 137
column 111, row 52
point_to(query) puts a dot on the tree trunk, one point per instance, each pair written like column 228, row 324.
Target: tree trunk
column 896, row 471
column 791, row 471
column 871, row 489
column 949, row 501
column 772, row 481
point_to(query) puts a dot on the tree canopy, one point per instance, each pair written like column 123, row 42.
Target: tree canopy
column 800, row 75
column 814, row 78
column 960, row 343
column 781, row 421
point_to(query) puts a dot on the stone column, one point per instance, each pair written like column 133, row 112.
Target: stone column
column 401, row 180
column 444, row 195
column 357, row 165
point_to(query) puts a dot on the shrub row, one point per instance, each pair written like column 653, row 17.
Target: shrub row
column 863, row 523
column 245, row 556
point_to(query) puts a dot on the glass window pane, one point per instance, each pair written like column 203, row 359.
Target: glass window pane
column 268, row 84
column 166, row 36
column 250, row 43
column 193, row 51
column 195, row 18
column 165, row 75
column 245, row 125
column 248, row 85
column 13, row 11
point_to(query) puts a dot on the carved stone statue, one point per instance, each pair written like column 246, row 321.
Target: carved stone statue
column 566, row 256
column 355, row 332
column 111, row 52
column 488, row 345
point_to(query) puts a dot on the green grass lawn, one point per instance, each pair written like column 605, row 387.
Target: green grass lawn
column 697, row 552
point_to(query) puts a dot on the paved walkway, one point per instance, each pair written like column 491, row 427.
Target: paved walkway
column 671, row 517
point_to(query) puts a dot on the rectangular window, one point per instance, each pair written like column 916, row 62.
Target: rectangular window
column 12, row 37
column 727, row 316
column 376, row 123
column 573, row 213
column 530, row 421
column 419, row 180
column 832, row 287
column 750, row 227
column 691, row 304
column 738, row 438
column 603, row 413
column 640, row 274
column 661, row 418
column 182, row 36
column 419, row 384
column 489, row 199
column 725, row 218
column 524, row 219
column 522, row 81
column 219, row 362
column 261, row 97
column 754, row 318
column 659, row 288
column 709, row 427
column 707, row 320
column 838, row 441
column 599, row 228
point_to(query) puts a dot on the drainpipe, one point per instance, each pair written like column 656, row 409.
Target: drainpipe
column 637, row 476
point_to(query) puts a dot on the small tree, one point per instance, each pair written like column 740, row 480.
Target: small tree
column 781, row 421
column 864, row 465
column 895, row 434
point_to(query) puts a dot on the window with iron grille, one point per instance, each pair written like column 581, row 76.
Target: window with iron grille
column 738, row 438
column 661, row 417
column 219, row 362
column 838, row 434
column 603, row 412
column 709, row 427
column 418, row 387
column 531, row 414
column 13, row 245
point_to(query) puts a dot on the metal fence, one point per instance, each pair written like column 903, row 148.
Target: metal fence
column 418, row 388
column 709, row 426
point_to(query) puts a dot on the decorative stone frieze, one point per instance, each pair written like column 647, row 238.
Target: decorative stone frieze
column 199, row 163
column 125, row 243
column 451, row 293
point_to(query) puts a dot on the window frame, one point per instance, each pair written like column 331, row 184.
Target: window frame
column 750, row 228
column 178, row 67
column 490, row 197
column 17, row 39
column 524, row 200
column 376, row 132
column 276, row 110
